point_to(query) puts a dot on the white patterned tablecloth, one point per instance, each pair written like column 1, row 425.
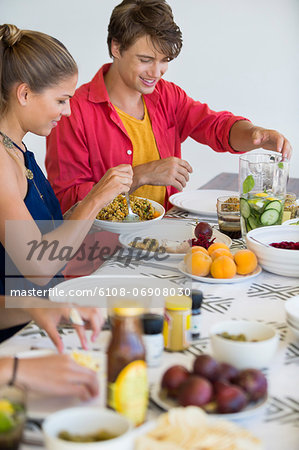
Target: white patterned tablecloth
column 261, row 298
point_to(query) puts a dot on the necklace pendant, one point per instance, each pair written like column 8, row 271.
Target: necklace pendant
column 29, row 174
column 7, row 142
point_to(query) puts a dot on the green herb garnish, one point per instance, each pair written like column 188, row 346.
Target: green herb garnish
column 248, row 184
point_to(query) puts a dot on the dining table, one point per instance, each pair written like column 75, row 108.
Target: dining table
column 261, row 298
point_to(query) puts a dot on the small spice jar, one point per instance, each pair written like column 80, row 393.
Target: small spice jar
column 177, row 322
column 197, row 297
column 153, row 338
column 290, row 207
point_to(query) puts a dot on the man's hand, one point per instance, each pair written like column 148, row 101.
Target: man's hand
column 272, row 140
column 170, row 171
column 245, row 137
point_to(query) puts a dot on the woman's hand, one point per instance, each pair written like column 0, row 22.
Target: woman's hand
column 115, row 181
column 49, row 318
column 57, row 375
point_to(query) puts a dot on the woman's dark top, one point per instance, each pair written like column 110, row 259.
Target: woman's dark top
column 45, row 209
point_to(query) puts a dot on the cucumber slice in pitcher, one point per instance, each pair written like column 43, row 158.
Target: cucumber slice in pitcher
column 270, row 217
column 245, row 208
column 274, row 204
column 252, row 222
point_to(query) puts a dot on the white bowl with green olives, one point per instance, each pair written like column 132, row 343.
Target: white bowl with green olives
column 244, row 344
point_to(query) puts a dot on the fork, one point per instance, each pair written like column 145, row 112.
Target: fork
column 130, row 217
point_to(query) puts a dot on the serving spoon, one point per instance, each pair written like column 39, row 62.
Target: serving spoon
column 130, row 217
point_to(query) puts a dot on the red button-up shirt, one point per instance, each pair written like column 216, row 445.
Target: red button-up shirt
column 85, row 145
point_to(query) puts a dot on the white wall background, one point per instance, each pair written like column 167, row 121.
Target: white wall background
column 238, row 55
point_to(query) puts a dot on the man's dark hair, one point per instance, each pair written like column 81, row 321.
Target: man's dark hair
column 132, row 19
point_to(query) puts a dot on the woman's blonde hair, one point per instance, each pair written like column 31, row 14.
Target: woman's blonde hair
column 31, row 57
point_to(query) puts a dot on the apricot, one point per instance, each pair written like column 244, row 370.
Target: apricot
column 223, row 267
column 199, row 248
column 194, row 249
column 220, row 252
column 246, row 261
column 215, row 246
column 198, row 263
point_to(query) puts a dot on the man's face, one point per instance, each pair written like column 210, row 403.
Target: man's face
column 141, row 66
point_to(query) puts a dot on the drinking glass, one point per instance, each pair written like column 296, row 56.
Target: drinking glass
column 12, row 416
column 228, row 212
column 262, row 182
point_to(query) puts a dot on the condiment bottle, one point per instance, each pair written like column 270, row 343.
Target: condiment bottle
column 153, row 338
column 197, row 297
column 127, row 376
column 177, row 322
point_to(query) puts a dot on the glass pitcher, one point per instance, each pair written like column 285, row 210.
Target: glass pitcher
column 262, row 184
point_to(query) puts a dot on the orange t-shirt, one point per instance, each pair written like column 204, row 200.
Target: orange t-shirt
column 144, row 150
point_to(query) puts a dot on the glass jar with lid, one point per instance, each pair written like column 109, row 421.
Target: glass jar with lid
column 290, row 207
column 177, row 322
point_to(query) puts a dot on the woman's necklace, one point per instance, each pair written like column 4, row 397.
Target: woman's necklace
column 11, row 145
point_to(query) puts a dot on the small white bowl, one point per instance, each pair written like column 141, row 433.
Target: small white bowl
column 243, row 355
column 294, row 330
column 292, row 310
column 85, row 420
column 276, row 260
column 130, row 227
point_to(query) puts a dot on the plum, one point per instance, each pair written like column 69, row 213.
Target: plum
column 229, row 398
column 203, row 228
column 227, row 371
column 207, row 367
column 173, row 378
column 195, row 391
column 220, row 384
column 253, row 382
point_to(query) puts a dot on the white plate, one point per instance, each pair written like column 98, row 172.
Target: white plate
column 208, row 279
column 289, row 222
column 41, row 406
column 129, row 227
column 101, row 290
column 167, row 403
column 200, row 201
column 171, row 232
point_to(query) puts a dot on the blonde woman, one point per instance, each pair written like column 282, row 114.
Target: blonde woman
column 38, row 78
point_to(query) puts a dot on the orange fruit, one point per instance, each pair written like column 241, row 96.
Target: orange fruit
column 246, row 261
column 196, row 248
column 223, row 267
column 199, row 248
column 199, row 264
column 220, row 252
column 215, row 246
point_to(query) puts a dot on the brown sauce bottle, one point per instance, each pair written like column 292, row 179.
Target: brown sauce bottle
column 127, row 375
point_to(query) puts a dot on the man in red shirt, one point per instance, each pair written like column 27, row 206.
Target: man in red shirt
column 128, row 114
